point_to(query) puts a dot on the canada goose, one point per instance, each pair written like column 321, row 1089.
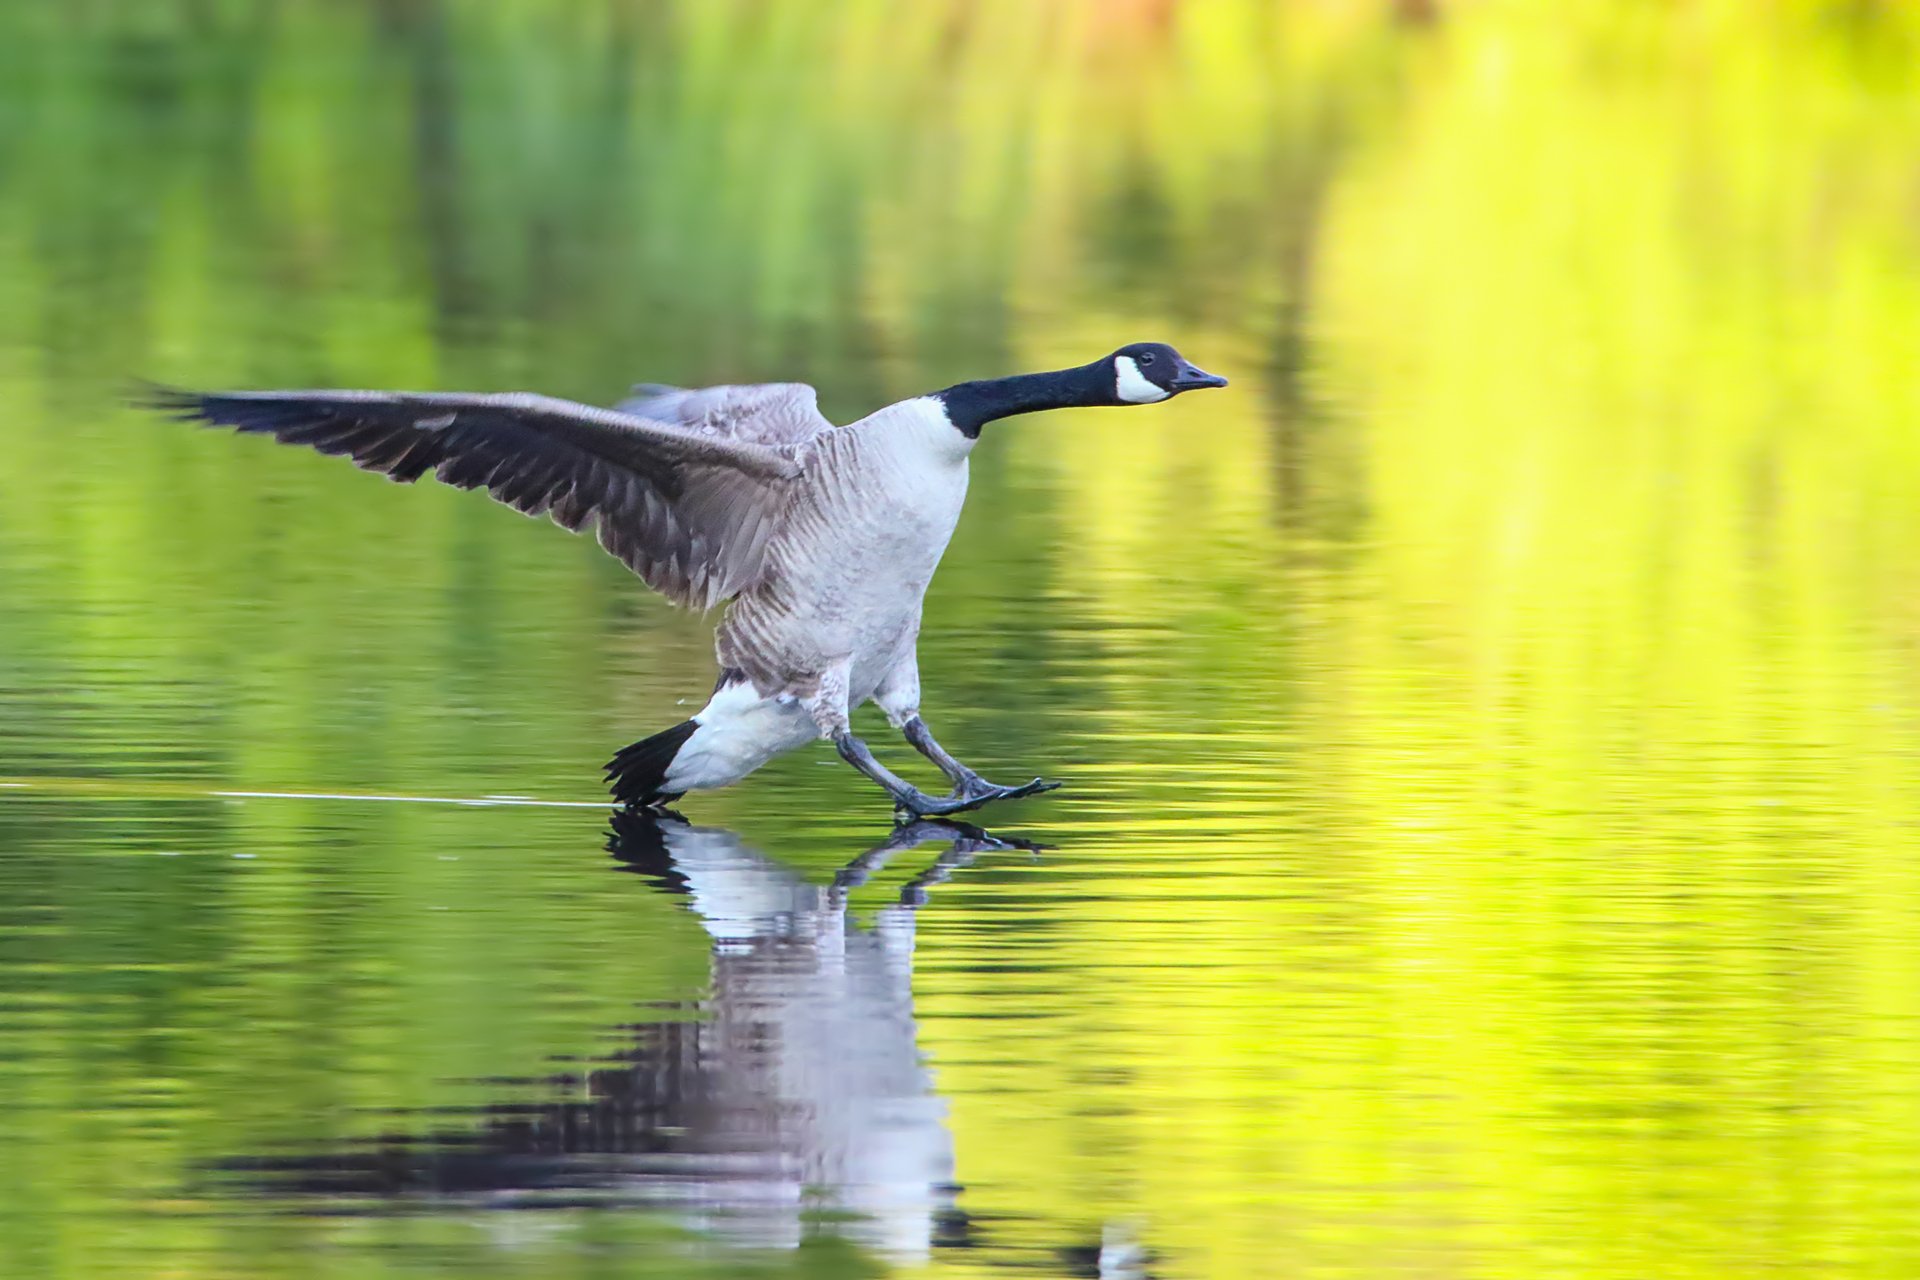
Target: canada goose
column 821, row 539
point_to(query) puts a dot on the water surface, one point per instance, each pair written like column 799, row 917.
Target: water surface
column 1491, row 729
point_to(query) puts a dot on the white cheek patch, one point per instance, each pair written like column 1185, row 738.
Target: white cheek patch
column 1132, row 385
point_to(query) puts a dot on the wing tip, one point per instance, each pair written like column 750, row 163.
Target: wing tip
column 160, row 398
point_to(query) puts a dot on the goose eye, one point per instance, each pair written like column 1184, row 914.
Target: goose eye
column 1147, row 358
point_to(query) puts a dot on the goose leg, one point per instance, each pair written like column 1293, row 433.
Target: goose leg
column 832, row 715
column 907, row 798
column 967, row 785
column 916, row 732
column 899, row 696
column 828, row 704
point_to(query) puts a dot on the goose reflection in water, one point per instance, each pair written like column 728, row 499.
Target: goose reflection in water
column 796, row 1087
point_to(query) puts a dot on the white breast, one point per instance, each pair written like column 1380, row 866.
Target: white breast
column 859, row 549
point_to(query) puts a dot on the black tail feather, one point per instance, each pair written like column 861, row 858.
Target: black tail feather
column 637, row 774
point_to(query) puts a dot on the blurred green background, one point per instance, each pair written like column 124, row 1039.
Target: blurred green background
column 1492, row 728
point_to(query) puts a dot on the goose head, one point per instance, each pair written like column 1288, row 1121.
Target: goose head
column 1143, row 373
column 1148, row 372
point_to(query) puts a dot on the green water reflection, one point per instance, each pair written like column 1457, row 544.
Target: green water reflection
column 1492, row 728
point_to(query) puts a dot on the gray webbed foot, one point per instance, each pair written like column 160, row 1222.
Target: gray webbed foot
column 970, row 789
column 970, row 794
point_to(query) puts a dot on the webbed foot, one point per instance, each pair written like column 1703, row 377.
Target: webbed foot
column 971, row 794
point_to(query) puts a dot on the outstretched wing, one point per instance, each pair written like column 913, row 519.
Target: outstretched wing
column 690, row 513
column 771, row 413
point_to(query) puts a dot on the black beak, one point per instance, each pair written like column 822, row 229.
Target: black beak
column 1188, row 378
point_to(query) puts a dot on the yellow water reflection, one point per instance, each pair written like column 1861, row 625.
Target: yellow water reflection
column 1585, row 948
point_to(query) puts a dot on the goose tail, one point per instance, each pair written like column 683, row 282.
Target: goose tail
column 637, row 774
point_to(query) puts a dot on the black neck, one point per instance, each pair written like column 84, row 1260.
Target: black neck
column 972, row 405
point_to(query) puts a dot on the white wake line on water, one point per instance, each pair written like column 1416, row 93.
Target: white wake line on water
column 117, row 788
column 483, row 802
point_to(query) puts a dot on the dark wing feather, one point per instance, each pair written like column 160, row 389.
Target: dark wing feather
column 770, row 413
column 690, row 513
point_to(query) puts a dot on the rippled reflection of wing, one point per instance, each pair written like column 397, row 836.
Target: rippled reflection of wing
column 772, row 413
column 691, row 512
